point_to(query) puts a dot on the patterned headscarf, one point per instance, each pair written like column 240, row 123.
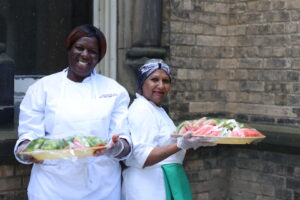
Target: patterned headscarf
column 148, row 68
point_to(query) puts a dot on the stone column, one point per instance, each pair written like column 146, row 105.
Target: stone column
column 7, row 66
column 146, row 33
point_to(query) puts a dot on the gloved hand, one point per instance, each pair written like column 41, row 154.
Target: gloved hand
column 113, row 149
column 116, row 146
column 26, row 158
column 187, row 141
column 22, row 146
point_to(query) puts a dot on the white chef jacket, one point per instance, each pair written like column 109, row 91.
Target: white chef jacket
column 57, row 107
column 150, row 127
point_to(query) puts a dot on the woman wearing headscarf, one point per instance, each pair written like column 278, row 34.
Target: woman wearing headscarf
column 155, row 165
column 76, row 101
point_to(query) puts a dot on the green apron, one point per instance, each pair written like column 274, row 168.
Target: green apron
column 176, row 183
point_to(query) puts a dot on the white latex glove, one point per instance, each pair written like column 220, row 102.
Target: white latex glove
column 22, row 146
column 115, row 146
column 188, row 142
column 26, row 158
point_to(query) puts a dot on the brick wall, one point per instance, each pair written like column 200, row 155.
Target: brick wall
column 239, row 173
column 237, row 58
column 13, row 181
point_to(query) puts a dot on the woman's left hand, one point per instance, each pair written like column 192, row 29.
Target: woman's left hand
column 114, row 148
column 187, row 141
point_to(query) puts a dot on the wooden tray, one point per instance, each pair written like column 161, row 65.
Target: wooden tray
column 229, row 140
column 63, row 153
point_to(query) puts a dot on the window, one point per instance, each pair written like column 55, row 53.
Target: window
column 35, row 32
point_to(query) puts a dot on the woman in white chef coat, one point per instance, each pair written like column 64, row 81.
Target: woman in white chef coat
column 155, row 165
column 76, row 101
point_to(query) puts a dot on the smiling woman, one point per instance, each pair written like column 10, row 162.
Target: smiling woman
column 86, row 47
column 155, row 166
column 70, row 103
column 156, row 86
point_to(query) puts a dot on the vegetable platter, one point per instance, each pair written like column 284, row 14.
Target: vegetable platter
column 71, row 147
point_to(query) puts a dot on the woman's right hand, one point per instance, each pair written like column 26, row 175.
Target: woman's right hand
column 28, row 158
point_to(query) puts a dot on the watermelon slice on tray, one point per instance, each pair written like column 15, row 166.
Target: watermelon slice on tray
column 224, row 131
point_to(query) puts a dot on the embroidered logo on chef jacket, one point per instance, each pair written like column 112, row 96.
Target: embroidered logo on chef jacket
column 107, row 95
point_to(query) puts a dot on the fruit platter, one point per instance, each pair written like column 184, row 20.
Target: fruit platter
column 70, row 147
column 222, row 131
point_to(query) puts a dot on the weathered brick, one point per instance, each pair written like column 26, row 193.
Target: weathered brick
column 259, row 5
column 176, row 27
column 226, row 52
column 221, row 30
column 245, row 175
column 251, row 63
column 268, row 190
column 210, row 63
column 262, row 119
column 185, row 39
column 6, row 170
column 277, row 63
column 267, row 110
column 293, row 100
column 296, row 64
column 11, row 183
column 295, row 39
column 279, row 51
column 296, row 195
column 295, row 15
column 256, row 86
column 25, row 181
column 229, row 63
column 210, row 96
column 216, row 7
column 281, row 99
column 277, row 28
column 205, row 107
column 281, row 16
column 236, row 30
column 194, row 28
column 189, row 74
column 187, row 5
column 292, row 183
column 238, row 195
column 265, row 51
column 238, row 7
column 209, row 29
column 296, row 88
column 283, row 194
column 246, row 186
column 296, row 111
column 210, row 40
column 21, row 169
column 261, row 197
column 278, row 5
column 7, row 195
column 202, row 196
column 292, row 4
column 291, row 28
column 268, row 179
column 21, row 195
column 237, row 96
column 250, row 18
column 181, row 51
